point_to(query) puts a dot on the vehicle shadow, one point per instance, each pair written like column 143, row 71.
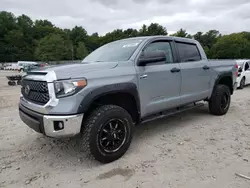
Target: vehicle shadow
column 67, row 152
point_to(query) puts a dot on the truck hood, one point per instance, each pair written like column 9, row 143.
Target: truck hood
column 76, row 70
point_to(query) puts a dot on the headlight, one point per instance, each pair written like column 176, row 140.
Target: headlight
column 68, row 87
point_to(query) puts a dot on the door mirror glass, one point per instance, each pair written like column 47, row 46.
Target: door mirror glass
column 151, row 57
column 240, row 69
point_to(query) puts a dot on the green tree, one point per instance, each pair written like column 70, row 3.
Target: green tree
column 43, row 28
column 21, row 38
column 231, row 46
column 26, row 49
column 211, row 37
column 152, row 29
column 157, row 29
column 208, row 40
column 93, row 42
column 53, row 48
column 117, row 34
column 24, row 22
column 78, row 34
column 14, row 44
column 207, row 51
column 130, row 33
column 246, row 35
column 182, row 33
column 143, row 31
column 81, row 51
column 7, row 24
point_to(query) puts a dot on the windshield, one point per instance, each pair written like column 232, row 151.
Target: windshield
column 115, row 51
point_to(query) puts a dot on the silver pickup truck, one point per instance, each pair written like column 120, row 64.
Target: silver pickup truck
column 122, row 84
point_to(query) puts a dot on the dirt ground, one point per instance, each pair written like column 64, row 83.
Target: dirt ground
column 192, row 149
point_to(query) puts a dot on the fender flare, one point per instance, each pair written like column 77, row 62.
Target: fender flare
column 223, row 75
column 129, row 88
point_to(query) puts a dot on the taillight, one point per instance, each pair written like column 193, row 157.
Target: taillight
column 237, row 69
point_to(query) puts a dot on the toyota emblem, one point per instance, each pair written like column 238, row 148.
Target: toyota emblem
column 27, row 89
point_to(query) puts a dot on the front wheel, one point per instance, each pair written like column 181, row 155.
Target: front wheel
column 107, row 133
column 220, row 101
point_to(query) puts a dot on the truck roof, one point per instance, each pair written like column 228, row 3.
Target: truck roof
column 181, row 39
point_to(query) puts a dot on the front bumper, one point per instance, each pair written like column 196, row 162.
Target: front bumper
column 48, row 124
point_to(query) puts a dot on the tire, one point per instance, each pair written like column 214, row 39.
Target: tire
column 19, row 82
column 11, row 83
column 220, row 101
column 93, row 130
column 242, row 83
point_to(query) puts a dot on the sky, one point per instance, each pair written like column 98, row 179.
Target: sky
column 103, row 16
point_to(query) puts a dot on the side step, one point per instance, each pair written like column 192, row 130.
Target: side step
column 172, row 112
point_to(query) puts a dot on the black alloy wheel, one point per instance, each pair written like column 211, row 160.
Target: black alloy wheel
column 107, row 133
column 112, row 135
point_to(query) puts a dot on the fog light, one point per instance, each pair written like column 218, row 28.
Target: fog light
column 58, row 125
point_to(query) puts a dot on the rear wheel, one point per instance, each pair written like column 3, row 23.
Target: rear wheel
column 220, row 101
column 242, row 83
column 107, row 133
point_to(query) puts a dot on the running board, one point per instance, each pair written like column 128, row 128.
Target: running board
column 172, row 112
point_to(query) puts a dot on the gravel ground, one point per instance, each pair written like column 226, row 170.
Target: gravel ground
column 191, row 149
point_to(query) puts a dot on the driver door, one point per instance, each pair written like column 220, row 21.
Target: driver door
column 247, row 72
column 159, row 85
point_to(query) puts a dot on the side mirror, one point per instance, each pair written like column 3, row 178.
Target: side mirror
column 240, row 69
column 151, row 57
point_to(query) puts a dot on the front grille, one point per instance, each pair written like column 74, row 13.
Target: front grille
column 35, row 91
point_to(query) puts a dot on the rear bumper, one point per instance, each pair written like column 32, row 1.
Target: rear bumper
column 49, row 124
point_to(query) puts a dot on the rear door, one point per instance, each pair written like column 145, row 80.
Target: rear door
column 160, row 82
column 195, row 73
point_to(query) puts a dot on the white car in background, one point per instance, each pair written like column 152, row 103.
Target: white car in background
column 22, row 64
column 14, row 66
column 243, row 78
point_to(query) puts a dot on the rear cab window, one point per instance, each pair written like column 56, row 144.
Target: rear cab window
column 188, row 52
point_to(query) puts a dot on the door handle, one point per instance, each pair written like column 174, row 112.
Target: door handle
column 174, row 70
column 206, row 67
column 144, row 76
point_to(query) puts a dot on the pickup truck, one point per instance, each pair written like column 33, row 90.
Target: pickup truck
column 120, row 85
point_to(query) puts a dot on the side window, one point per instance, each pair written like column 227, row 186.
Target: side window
column 246, row 66
column 161, row 45
column 188, row 52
